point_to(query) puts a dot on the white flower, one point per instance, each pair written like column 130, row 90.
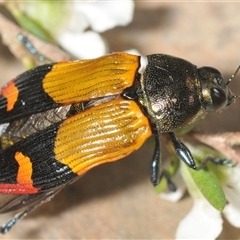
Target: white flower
column 231, row 187
column 83, row 45
column 99, row 17
column 104, row 15
column 204, row 221
column 75, row 25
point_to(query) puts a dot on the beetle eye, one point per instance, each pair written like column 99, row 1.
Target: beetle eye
column 219, row 99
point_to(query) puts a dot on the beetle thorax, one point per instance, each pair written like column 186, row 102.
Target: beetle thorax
column 170, row 95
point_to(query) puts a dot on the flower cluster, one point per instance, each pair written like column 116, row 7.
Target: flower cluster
column 211, row 200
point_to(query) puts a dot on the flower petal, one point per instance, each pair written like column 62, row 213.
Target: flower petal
column 107, row 14
column 231, row 188
column 232, row 214
column 83, row 45
column 202, row 222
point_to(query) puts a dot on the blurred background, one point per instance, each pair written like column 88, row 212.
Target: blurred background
column 116, row 200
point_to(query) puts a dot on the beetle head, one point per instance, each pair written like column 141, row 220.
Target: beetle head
column 216, row 94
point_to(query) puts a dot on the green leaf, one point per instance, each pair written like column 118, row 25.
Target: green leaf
column 33, row 27
column 205, row 181
column 42, row 18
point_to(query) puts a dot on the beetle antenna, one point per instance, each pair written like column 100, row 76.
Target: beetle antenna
column 233, row 76
column 230, row 79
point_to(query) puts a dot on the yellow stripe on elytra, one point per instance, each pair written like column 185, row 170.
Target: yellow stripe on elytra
column 104, row 133
column 24, row 175
column 78, row 81
column 10, row 92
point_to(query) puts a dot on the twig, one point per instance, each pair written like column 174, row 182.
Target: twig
column 9, row 32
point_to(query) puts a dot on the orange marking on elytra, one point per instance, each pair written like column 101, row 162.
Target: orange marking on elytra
column 10, row 92
column 16, row 188
column 24, row 175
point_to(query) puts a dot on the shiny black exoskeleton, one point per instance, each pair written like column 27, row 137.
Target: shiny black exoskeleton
column 174, row 94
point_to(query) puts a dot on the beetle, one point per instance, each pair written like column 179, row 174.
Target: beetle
column 59, row 120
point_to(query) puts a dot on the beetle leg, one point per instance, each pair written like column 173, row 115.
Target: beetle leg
column 171, row 186
column 156, row 172
column 182, row 151
column 222, row 162
column 184, row 154
column 155, row 167
column 217, row 161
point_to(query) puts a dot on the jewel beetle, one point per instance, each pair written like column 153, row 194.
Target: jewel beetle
column 59, row 120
